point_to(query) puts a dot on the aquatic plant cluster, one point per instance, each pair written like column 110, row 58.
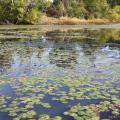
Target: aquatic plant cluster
column 99, row 92
column 66, row 85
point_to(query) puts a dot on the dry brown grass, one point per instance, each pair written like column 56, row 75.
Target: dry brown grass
column 71, row 21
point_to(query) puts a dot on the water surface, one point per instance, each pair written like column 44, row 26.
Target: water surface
column 71, row 73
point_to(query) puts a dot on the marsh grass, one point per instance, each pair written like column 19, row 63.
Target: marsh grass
column 71, row 21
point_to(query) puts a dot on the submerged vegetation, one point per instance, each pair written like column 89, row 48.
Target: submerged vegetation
column 31, row 11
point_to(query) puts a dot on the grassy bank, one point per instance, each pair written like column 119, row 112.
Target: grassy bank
column 72, row 21
column 44, row 20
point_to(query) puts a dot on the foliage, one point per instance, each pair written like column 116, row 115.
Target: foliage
column 96, row 8
column 43, row 5
column 77, row 9
column 20, row 11
column 60, row 8
column 32, row 16
column 30, row 11
column 87, row 9
column 114, row 14
column 113, row 2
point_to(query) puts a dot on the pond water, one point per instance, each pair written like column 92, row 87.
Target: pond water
column 59, row 73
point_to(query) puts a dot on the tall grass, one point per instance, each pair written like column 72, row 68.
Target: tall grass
column 71, row 21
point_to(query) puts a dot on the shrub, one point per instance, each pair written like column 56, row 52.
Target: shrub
column 32, row 17
column 114, row 14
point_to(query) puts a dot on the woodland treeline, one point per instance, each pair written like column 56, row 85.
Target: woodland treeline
column 30, row 11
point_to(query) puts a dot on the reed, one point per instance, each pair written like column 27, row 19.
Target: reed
column 71, row 21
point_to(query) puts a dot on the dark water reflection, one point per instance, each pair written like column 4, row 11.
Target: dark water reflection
column 76, row 50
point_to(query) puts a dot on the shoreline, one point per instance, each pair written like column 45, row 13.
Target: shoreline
column 72, row 21
column 67, row 21
column 63, row 27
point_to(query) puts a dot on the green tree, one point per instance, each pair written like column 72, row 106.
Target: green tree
column 42, row 5
column 114, row 14
column 18, row 11
column 59, row 7
column 77, row 9
column 113, row 3
column 96, row 8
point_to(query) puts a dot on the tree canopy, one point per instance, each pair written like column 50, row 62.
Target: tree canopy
column 30, row 11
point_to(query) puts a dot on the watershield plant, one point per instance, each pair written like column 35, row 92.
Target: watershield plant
column 82, row 91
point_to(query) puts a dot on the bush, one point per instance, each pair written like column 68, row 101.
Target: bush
column 60, row 8
column 52, row 12
column 114, row 14
column 18, row 11
column 32, row 17
column 77, row 9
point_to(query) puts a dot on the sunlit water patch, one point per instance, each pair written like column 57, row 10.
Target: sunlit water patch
column 59, row 74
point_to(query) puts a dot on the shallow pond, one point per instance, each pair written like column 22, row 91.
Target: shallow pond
column 59, row 73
